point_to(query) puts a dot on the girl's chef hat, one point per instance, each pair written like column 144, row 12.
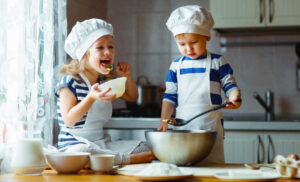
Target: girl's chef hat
column 84, row 34
column 190, row 19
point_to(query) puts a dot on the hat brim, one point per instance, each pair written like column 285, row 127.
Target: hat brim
column 189, row 28
column 89, row 40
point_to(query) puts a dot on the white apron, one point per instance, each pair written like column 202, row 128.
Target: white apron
column 92, row 132
column 194, row 98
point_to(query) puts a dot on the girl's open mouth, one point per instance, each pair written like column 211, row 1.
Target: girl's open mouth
column 106, row 64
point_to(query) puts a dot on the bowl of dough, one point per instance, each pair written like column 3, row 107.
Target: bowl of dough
column 67, row 162
column 117, row 86
column 181, row 147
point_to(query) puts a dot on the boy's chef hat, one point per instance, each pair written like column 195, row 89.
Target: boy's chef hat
column 190, row 19
column 84, row 34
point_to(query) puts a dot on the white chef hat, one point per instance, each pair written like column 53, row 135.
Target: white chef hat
column 190, row 19
column 84, row 34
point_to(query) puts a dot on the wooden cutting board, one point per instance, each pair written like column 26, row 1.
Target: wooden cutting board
column 202, row 171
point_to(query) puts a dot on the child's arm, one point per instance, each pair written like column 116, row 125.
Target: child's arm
column 131, row 93
column 166, row 112
column 228, row 84
column 73, row 112
column 170, row 97
column 143, row 157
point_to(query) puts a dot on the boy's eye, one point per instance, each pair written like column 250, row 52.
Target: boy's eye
column 110, row 47
column 100, row 47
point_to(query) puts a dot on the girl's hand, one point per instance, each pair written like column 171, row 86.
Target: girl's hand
column 143, row 157
column 101, row 95
column 123, row 69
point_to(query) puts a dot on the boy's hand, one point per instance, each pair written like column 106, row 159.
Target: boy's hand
column 236, row 103
column 234, row 97
column 123, row 69
column 163, row 126
column 101, row 95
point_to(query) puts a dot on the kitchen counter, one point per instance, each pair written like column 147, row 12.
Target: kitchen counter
column 86, row 175
column 153, row 123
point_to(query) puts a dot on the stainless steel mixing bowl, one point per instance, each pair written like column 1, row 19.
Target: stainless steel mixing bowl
column 181, row 147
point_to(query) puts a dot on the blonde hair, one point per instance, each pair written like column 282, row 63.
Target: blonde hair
column 74, row 66
column 182, row 35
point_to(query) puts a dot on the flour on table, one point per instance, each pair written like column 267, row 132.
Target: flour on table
column 160, row 169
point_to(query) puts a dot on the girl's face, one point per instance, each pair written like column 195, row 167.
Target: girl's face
column 101, row 53
column 192, row 45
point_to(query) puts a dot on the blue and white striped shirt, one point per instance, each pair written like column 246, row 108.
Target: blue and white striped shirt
column 80, row 90
column 221, row 76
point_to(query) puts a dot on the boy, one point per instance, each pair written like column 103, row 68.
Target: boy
column 194, row 80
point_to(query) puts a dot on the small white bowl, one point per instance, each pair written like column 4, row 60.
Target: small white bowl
column 102, row 162
column 117, row 86
column 64, row 162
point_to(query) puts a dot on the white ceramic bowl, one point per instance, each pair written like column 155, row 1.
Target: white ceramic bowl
column 64, row 162
column 102, row 162
column 117, row 86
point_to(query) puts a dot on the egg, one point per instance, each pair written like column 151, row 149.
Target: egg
column 293, row 156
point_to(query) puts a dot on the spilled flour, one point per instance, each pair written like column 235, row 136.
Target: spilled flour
column 160, row 169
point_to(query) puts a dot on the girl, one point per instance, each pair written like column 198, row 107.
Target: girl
column 83, row 109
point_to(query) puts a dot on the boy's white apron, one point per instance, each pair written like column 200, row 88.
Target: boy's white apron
column 194, row 98
column 92, row 132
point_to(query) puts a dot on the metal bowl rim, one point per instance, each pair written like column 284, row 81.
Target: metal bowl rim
column 182, row 131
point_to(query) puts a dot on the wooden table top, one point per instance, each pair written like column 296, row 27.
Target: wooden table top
column 88, row 175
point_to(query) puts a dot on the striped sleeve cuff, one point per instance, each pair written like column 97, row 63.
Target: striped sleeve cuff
column 229, row 89
column 171, row 98
column 122, row 159
column 66, row 81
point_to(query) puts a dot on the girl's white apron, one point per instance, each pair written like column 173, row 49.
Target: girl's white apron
column 92, row 132
column 194, row 98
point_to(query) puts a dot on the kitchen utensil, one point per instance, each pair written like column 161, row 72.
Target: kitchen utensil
column 181, row 122
column 258, row 166
column 65, row 162
column 150, row 98
column 102, row 162
column 181, row 147
column 297, row 49
column 148, row 94
column 109, row 67
column 28, row 157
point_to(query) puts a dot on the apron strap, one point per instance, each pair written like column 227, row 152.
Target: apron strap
column 86, row 80
column 178, row 67
column 208, row 65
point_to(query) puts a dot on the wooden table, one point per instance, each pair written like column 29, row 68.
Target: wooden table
column 87, row 175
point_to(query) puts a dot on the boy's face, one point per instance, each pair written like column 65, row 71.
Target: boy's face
column 102, row 53
column 192, row 45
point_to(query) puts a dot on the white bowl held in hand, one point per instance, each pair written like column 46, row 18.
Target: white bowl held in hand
column 64, row 162
column 117, row 86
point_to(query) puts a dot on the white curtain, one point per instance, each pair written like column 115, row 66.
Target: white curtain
column 32, row 35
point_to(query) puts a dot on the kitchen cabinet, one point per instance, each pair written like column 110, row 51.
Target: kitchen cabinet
column 255, row 13
column 259, row 146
